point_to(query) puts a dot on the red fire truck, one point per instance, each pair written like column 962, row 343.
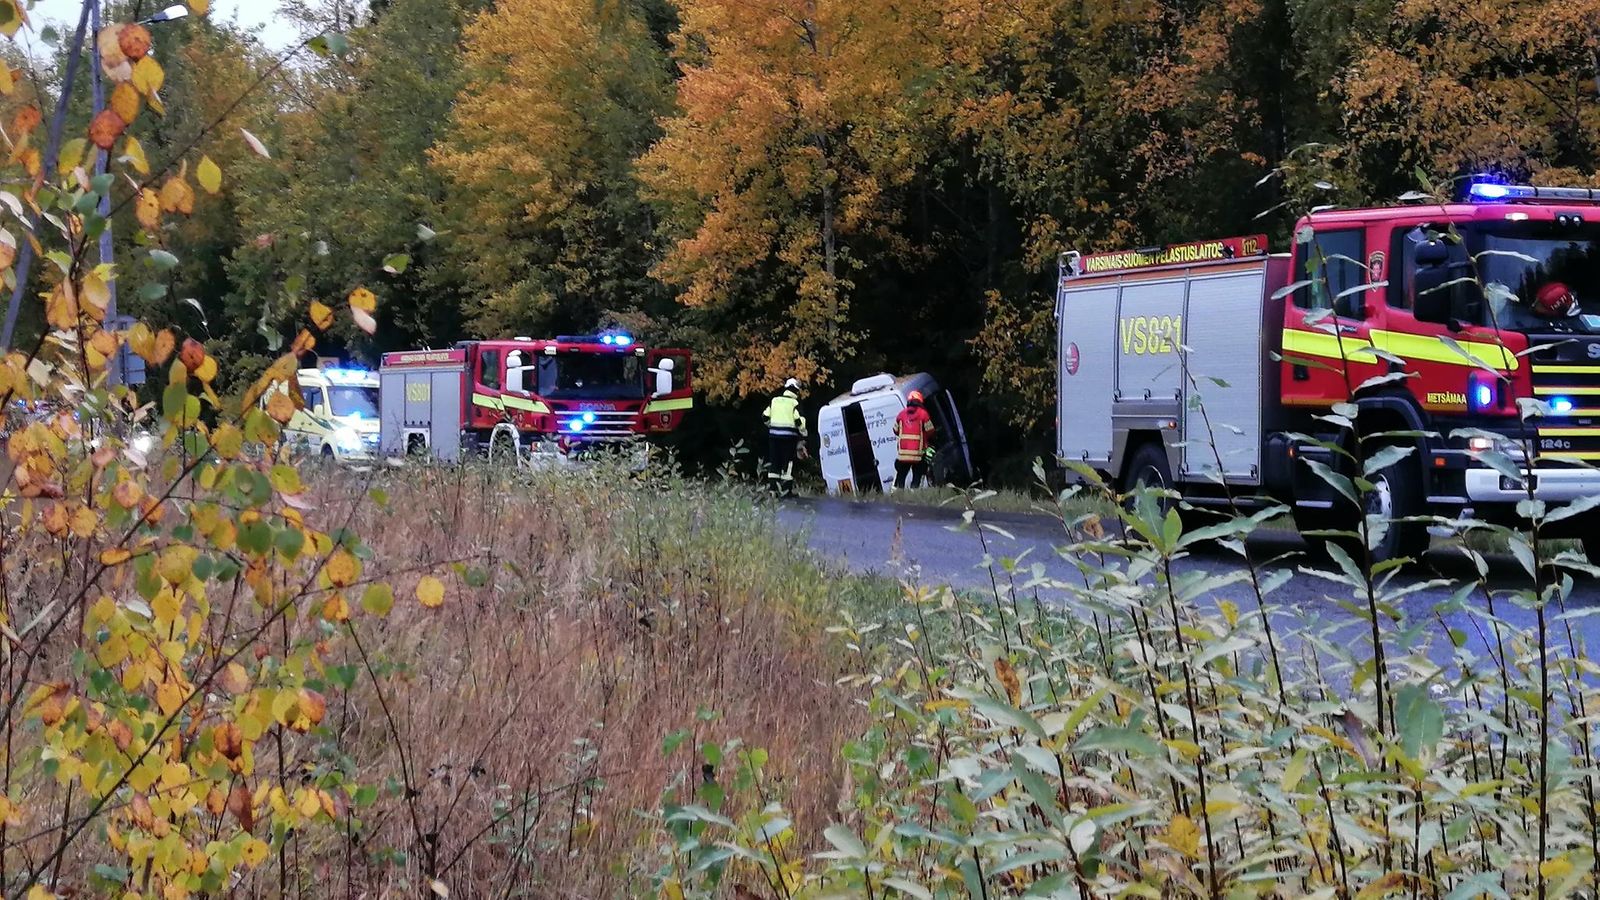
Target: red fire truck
column 512, row 397
column 1203, row 367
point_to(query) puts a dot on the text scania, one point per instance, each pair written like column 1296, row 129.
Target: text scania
column 1186, row 253
column 1150, row 335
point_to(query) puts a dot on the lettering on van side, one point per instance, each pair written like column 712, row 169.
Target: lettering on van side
column 1150, row 335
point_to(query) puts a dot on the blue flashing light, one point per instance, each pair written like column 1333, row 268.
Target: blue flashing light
column 1483, row 191
column 622, row 340
column 588, row 418
column 347, row 376
column 607, row 339
column 1560, row 405
column 1482, row 396
column 576, row 425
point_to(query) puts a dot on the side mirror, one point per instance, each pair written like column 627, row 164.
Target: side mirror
column 663, row 373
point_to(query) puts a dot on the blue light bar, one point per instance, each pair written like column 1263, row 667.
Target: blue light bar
column 607, row 339
column 1489, row 191
column 1560, row 405
column 622, row 340
column 347, row 375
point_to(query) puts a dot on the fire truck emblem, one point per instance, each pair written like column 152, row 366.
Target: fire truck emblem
column 1375, row 266
column 1070, row 359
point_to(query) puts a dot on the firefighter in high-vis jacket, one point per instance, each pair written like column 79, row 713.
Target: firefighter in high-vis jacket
column 913, row 431
column 786, row 428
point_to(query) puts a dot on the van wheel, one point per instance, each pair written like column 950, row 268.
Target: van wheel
column 1148, row 469
column 327, row 455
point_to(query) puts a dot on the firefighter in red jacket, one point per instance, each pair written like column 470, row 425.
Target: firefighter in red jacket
column 913, row 429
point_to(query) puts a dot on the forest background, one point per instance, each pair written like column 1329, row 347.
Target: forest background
column 817, row 188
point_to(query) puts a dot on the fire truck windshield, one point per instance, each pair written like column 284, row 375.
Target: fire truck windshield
column 361, row 402
column 1537, row 276
column 590, row 376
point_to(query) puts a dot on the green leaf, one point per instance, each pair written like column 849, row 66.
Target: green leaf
column 671, row 743
column 396, row 263
column 152, row 292
column 845, row 841
column 162, row 259
column 1117, row 740
column 425, row 234
column 378, row 599
column 1043, row 796
column 1384, row 458
column 1421, row 720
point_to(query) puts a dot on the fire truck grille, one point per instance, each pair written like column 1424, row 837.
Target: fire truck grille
column 1572, row 430
column 596, row 423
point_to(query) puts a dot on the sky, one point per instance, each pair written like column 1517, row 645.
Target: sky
column 256, row 15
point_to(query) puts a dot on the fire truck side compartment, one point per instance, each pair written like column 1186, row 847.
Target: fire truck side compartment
column 422, row 399
column 1124, row 333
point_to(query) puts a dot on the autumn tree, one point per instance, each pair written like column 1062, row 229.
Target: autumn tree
column 782, row 178
column 550, row 229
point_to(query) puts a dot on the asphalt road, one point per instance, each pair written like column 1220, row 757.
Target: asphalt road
column 929, row 545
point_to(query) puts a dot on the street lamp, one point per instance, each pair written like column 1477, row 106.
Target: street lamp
column 103, row 157
column 175, row 11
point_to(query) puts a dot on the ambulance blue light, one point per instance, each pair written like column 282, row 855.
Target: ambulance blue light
column 1489, row 191
column 1560, row 405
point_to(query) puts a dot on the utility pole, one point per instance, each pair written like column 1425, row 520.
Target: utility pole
column 102, row 158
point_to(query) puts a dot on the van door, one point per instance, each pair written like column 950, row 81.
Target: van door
column 952, row 462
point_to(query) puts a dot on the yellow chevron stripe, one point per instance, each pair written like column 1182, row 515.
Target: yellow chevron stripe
column 1320, row 343
column 1423, row 348
column 1560, row 391
column 661, row 406
column 1569, row 432
column 1566, row 370
column 533, row 406
column 1561, row 455
column 487, row 402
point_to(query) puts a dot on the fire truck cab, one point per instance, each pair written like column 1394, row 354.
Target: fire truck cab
column 524, row 395
column 1205, row 367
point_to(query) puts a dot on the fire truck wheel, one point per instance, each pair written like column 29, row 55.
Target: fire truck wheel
column 502, row 448
column 1396, row 494
column 1148, row 468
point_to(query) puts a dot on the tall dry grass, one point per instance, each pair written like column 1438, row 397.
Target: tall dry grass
column 518, row 740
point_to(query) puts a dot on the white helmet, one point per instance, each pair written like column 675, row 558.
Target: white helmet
column 792, row 384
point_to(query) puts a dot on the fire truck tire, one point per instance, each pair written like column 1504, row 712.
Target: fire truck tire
column 502, row 448
column 1148, row 468
column 1397, row 495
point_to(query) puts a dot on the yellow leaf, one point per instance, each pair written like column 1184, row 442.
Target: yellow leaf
column 177, row 196
column 430, row 592
column 343, row 569
column 1230, row 611
column 71, row 155
column 280, row 407
column 321, row 315
column 255, row 852
column 1183, row 835
column 207, row 370
column 7, row 85
column 148, row 76
column 1554, row 869
column 361, row 298
column 438, row 887
column 148, row 209
column 8, row 26
column 114, row 556
column 199, row 7
column 234, row 679
column 37, row 892
column 169, row 697
column 209, row 175
column 133, row 155
column 125, row 102
column 1004, row 671
column 337, row 609
column 96, row 293
column 84, row 521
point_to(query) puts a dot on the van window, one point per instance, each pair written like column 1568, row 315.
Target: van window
column 313, row 397
column 1330, row 262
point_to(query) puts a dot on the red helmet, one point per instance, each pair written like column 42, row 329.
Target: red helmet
column 1555, row 300
column 914, row 397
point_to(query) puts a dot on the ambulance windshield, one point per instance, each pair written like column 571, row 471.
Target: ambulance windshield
column 360, row 402
column 590, row 376
column 1537, row 276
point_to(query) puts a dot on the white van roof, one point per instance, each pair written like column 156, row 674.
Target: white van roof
column 884, row 383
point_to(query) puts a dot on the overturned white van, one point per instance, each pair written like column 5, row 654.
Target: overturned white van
column 856, row 434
